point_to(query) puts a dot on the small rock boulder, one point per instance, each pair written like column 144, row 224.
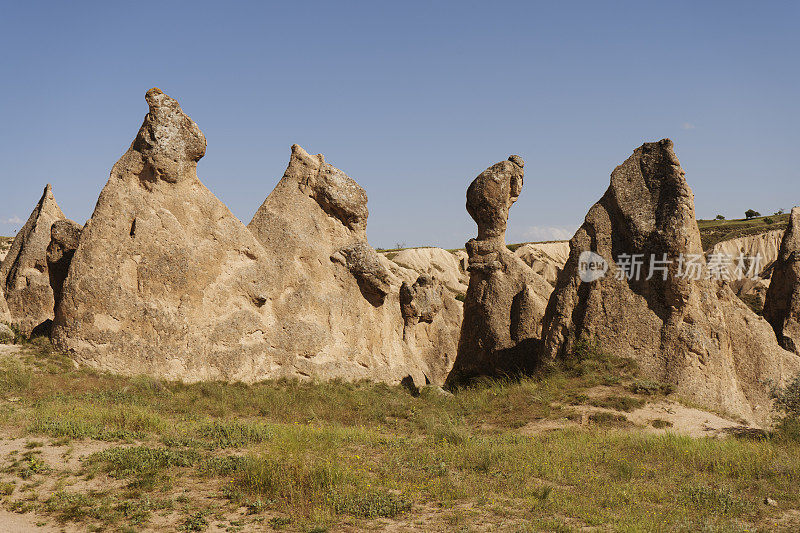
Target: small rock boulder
column 420, row 301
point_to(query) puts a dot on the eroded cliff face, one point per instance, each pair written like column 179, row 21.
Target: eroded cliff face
column 782, row 303
column 764, row 245
column 505, row 299
column 338, row 300
column 692, row 333
column 23, row 273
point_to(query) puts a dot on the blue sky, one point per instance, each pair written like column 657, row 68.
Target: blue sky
column 411, row 99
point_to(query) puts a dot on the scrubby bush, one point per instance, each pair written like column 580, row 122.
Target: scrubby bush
column 787, row 404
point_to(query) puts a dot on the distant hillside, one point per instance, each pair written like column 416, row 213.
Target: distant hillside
column 714, row 231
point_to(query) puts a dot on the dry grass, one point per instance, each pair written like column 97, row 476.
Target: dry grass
column 299, row 456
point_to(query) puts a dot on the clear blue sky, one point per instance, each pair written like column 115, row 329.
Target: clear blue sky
column 412, row 100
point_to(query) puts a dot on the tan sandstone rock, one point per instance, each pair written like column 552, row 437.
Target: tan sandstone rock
column 505, row 299
column 23, row 272
column 545, row 258
column 64, row 237
column 165, row 280
column 692, row 333
column 782, row 303
column 337, row 300
column 438, row 263
column 763, row 245
column 5, row 314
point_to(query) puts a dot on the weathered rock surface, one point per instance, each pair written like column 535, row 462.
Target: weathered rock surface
column 421, row 301
column 763, row 245
column 6, row 334
column 545, row 258
column 23, row 273
column 782, row 303
column 445, row 266
column 165, row 280
column 64, row 237
column 692, row 333
column 505, row 299
column 5, row 314
column 337, row 300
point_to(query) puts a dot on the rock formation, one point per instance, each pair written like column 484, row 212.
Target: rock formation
column 338, row 300
column 435, row 262
column 782, row 303
column 64, row 237
column 23, row 273
column 505, row 299
column 545, row 258
column 5, row 314
column 692, row 333
column 165, row 280
column 764, row 245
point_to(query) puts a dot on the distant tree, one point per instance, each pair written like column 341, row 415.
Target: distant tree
column 768, row 221
column 750, row 213
column 779, row 211
column 720, row 217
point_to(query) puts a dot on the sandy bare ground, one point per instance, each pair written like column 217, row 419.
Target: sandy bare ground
column 680, row 419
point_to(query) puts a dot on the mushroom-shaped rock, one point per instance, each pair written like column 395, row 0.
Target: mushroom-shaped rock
column 505, row 299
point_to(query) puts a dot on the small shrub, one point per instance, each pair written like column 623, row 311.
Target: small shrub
column 610, row 419
column 195, row 522
column 769, row 220
column 659, row 423
column 379, row 504
column 650, row 387
column 618, row 403
column 7, row 488
column 787, row 405
column 717, row 501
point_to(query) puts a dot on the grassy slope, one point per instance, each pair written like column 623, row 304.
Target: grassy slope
column 306, row 457
column 714, row 231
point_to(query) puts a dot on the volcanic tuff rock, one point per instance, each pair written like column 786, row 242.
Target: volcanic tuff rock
column 5, row 314
column 23, row 272
column 782, row 303
column 441, row 264
column 692, row 333
column 64, row 237
column 337, row 300
column 545, row 258
column 165, row 280
column 505, row 299
column 764, row 245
